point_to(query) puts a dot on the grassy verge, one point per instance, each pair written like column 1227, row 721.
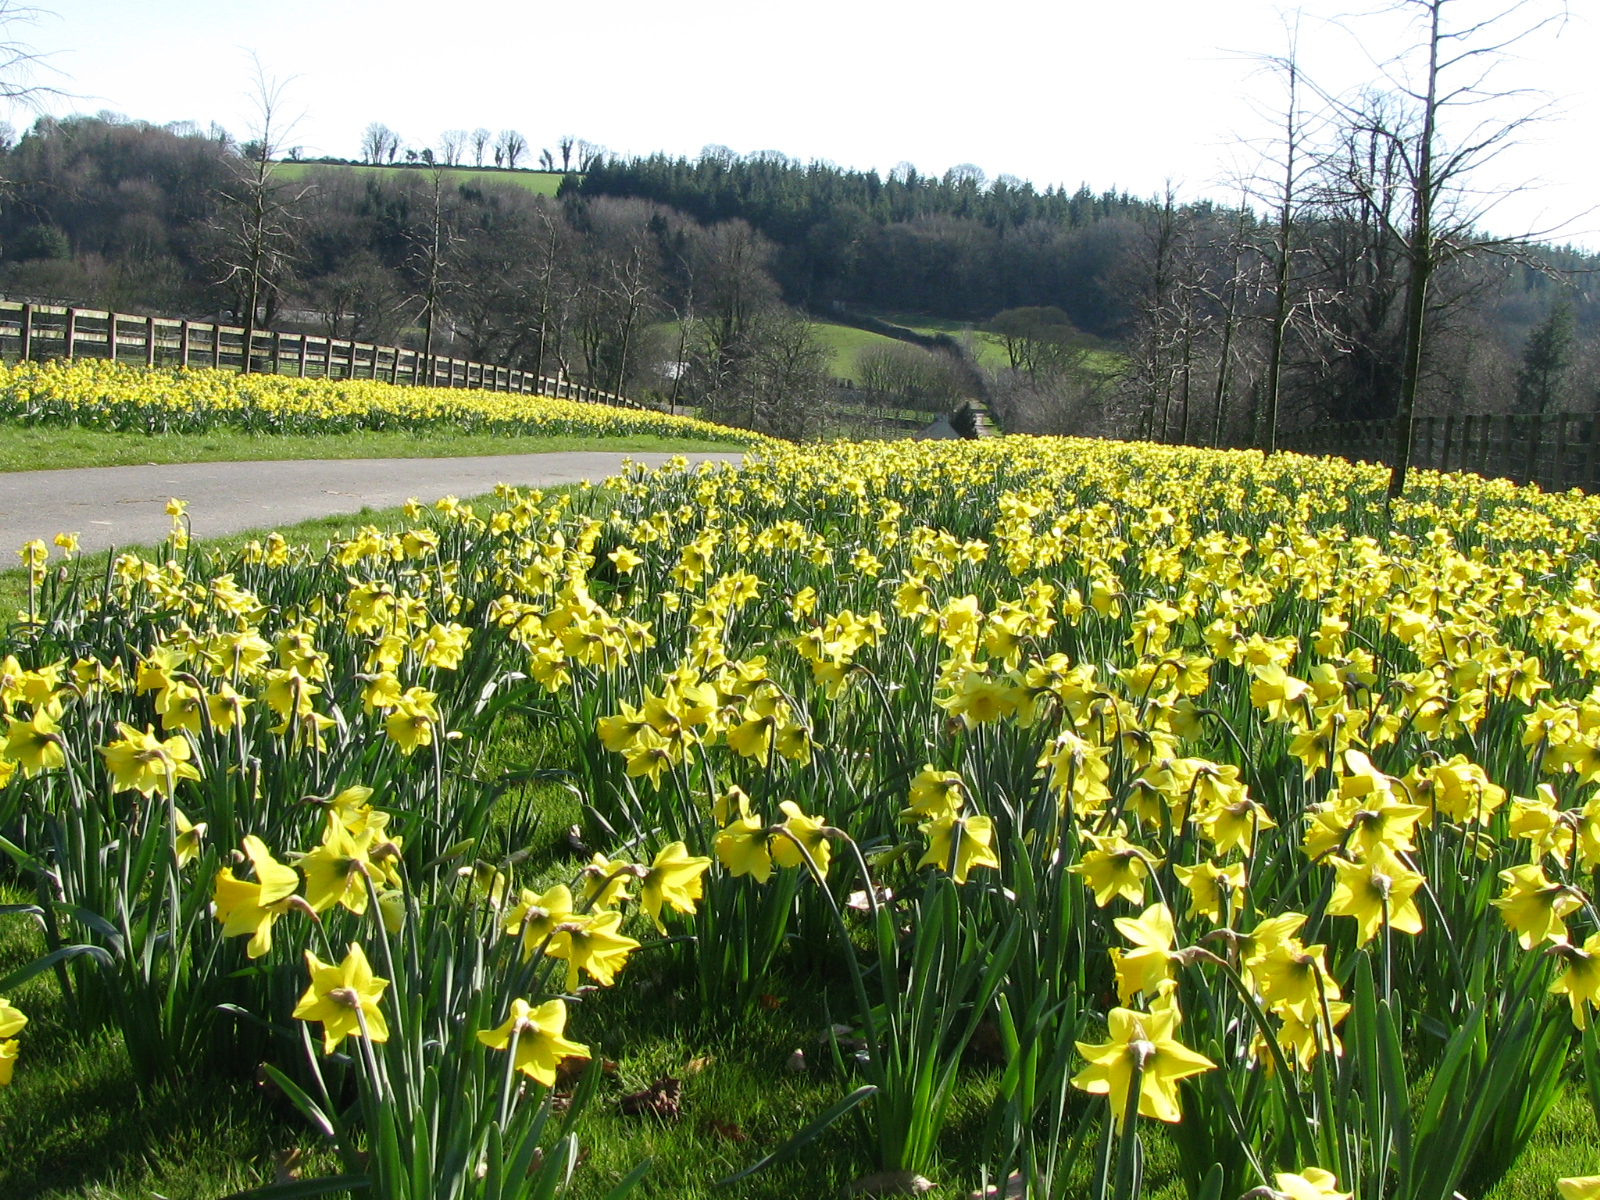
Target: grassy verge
column 39, row 447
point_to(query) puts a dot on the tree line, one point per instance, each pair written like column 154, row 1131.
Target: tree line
column 621, row 293
column 1352, row 279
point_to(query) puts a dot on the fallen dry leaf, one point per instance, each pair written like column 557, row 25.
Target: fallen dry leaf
column 663, row 1099
column 695, row 1065
column 571, row 1069
column 726, row 1130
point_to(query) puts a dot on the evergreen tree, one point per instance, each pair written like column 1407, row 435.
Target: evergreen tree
column 1545, row 358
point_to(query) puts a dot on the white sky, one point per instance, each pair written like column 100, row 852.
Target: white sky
column 1123, row 93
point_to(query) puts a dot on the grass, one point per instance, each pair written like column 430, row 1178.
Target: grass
column 39, row 447
column 543, row 183
column 76, row 1128
column 844, row 343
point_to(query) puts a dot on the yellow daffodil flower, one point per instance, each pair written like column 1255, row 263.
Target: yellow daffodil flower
column 1580, row 981
column 809, row 832
column 144, row 763
column 537, row 1039
column 743, row 848
column 35, row 744
column 1379, row 888
column 1149, row 964
column 593, row 945
column 673, row 878
column 252, row 906
column 1146, row 1042
column 1534, row 908
column 957, row 844
column 534, row 917
column 1313, row 1183
column 344, row 997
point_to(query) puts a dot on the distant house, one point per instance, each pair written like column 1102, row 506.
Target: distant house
column 940, row 431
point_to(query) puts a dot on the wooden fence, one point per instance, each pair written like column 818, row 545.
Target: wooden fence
column 1556, row 450
column 44, row 331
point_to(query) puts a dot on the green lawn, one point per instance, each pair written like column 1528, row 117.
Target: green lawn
column 545, row 183
column 40, row 447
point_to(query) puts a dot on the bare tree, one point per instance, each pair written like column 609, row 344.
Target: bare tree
column 565, row 144
column 258, row 211
column 432, row 240
column 1449, row 124
column 912, row 377
column 1279, row 185
column 20, row 63
column 509, row 149
column 379, row 143
column 480, row 138
column 452, row 144
column 1152, row 286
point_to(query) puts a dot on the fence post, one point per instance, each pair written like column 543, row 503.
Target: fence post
column 149, row 341
column 1558, row 471
column 1535, row 436
column 25, row 329
column 183, row 345
column 1588, row 455
column 111, row 336
column 1449, row 434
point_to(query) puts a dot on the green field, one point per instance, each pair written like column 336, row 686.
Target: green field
column 544, row 183
column 986, row 347
column 989, row 350
column 844, row 343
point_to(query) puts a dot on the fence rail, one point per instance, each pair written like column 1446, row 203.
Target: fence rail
column 46, row 331
column 1555, row 450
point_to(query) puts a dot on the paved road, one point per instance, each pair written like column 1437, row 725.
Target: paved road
column 125, row 506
